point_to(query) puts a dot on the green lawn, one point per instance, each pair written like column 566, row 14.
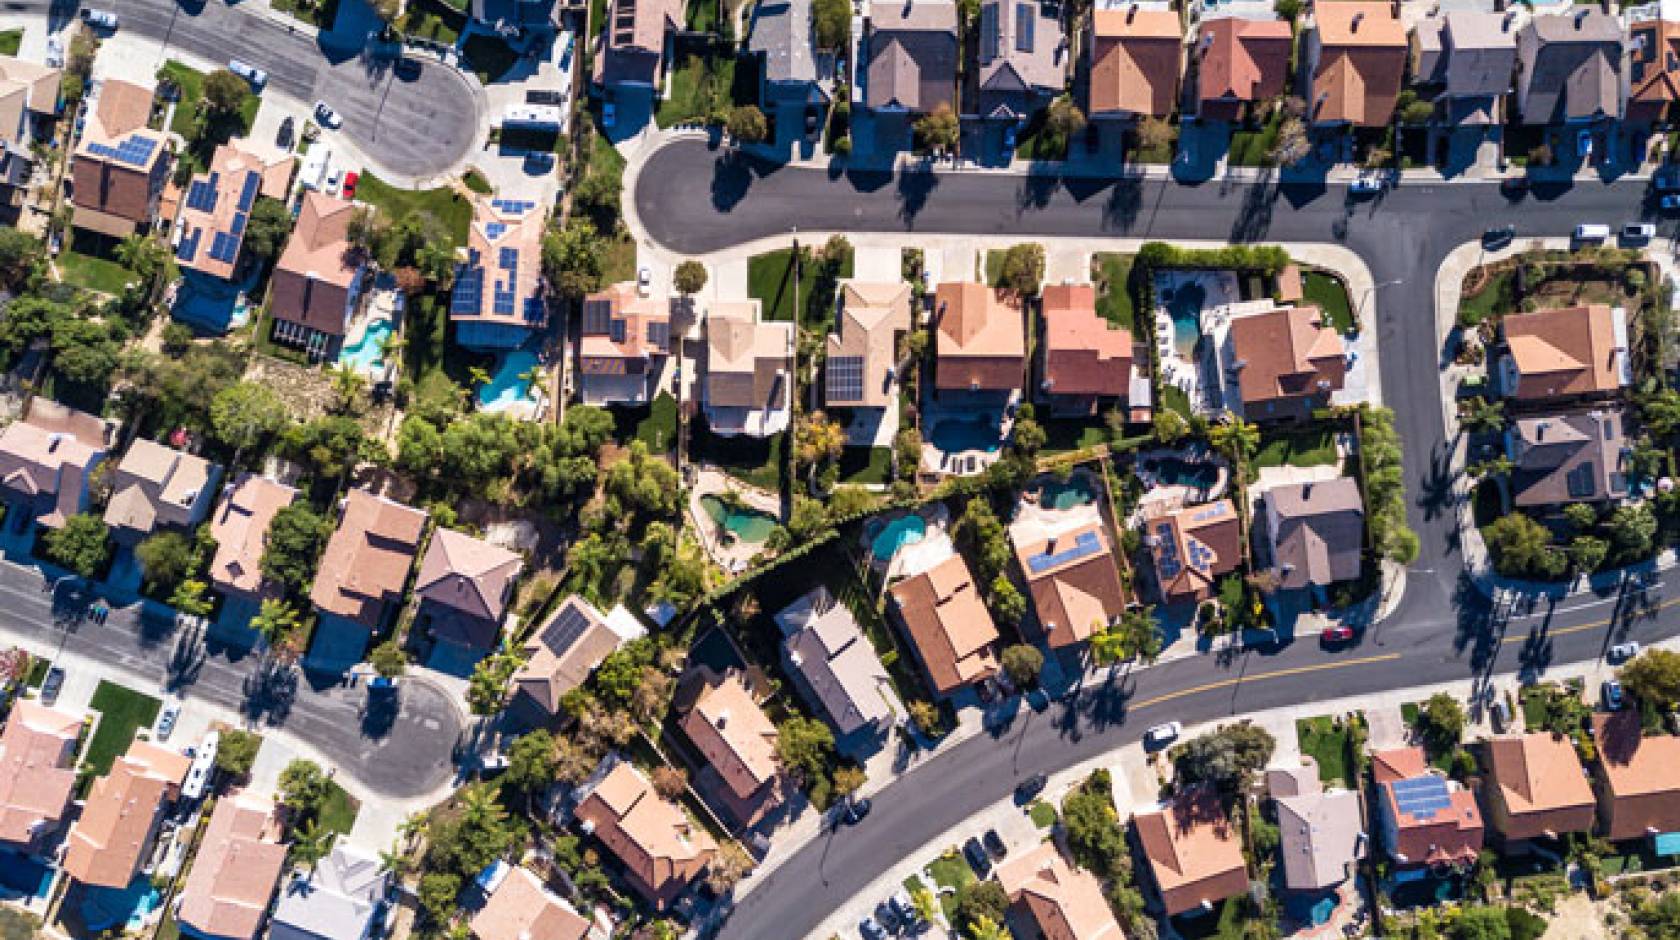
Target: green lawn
column 659, row 429
column 338, row 813
column 1174, row 398
column 1037, row 142
column 950, row 871
column 1114, row 301
column 1043, row 814
column 1253, row 148
column 701, row 84
column 1331, row 296
column 122, row 711
column 321, row 16
column 489, row 56
column 10, row 40
column 702, row 16
column 770, row 282
column 1326, row 742
column 757, row 461
column 1495, row 298
column 444, row 204
column 866, row 465
column 1073, row 433
column 91, row 273
column 1310, row 447
column 191, row 81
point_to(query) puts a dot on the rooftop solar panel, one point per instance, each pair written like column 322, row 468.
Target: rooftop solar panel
column 201, row 196
column 237, row 229
column 189, row 246
column 1084, row 546
column 248, row 193
column 845, row 378
column 494, row 230
column 508, row 259
column 468, row 294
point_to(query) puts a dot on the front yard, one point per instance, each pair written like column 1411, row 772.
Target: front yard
column 1330, row 294
column 449, row 208
column 1325, row 740
column 1114, row 301
column 122, row 712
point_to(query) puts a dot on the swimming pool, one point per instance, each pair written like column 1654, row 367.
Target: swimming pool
column 1174, row 472
column 367, row 353
column 955, row 435
column 506, row 387
column 105, row 908
column 23, row 876
column 1185, row 307
column 1077, row 490
column 887, row 538
column 748, row 525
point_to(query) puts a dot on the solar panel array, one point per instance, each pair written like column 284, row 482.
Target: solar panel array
column 534, row 309
column 188, row 247
column 1167, row 562
column 502, row 302
column 1084, row 546
column 224, row 248
column 512, row 206
column 659, row 334
column 201, row 195
column 134, row 151
column 845, row 378
column 988, row 32
column 1024, row 23
column 494, row 230
column 1201, row 557
column 615, row 330
column 1421, row 797
column 248, row 193
column 597, row 317
column 568, row 625
column 469, row 290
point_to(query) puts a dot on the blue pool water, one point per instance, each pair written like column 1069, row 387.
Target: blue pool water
column 367, row 354
column 1077, row 491
column 955, row 435
column 1186, row 310
column 23, row 876
column 505, row 387
column 104, row 908
column 1175, row 472
column 888, row 537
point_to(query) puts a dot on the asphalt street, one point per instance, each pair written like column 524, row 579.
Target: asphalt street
column 693, row 198
column 398, row 747
column 418, row 126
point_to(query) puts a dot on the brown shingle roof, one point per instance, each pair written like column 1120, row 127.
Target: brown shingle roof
column 37, row 771
column 1075, row 592
column 870, row 317
column 156, row 486
column 1564, row 351
column 1240, row 60
column 240, row 528
column 733, row 734
column 239, row 861
column 1637, row 774
column 981, row 338
column 1568, row 457
column 46, row 458
column 910, row 56
column 522, row 909
column 367, row 559
column 1192, row 547
column 1289, row 359
column 662, row 850
column 1362, row 61
column 948, row 623
column 1194, row 852
column 623, row 332
column 748, row 362
column 1065, row 902
column 467, row 574
column 1539, row 781
column 122, row 813
column 1317, row 531
column 1137, row 57
column 113, row 195
column 564, row 651
column 317, row 273
column 1083, row 353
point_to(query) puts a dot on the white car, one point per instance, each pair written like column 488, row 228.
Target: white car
column 335, row 179
column 1365, row 185
column 327, row 117
column 203, row 765
column 1638, row 232
column 257, row 77
column 1622, row 652
column 166, row 719
column 644, row 281
column 1162, row 735
column 99, row 19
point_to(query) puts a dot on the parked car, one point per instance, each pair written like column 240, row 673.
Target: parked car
column 1622, row 652
column 1028, row 789
column 870, row 930
column 407, row 69
column 887, row 917
column 994, row 844
column 257, row 77
column 1162, row 735
column 335, row 182
column 1500, row 713
column 166, row 719
column 854, row 810
column 609, row 114
column 644, row 280
column 1669, row 203
column 977, row 857
column 350, row 185
column 284, row 137
column 99, row 19
column 1638, row 232
column 52, row 685
column 1495, row 238
column 1337, row 634
column 1365, row 185
column 1591, row 232
column 327, row 117
column 904, row 907
column 1611, row 695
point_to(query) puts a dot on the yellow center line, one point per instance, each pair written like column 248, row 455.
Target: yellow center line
column 1579, row 628
column 1260, row 677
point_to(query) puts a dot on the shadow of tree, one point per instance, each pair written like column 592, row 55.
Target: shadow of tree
column 915, row 185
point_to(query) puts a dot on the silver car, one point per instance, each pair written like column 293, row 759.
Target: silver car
column 100, row 19
column 257, row 77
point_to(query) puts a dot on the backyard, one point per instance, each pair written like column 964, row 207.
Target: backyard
column 1114, row 301
column 866, row 465
column 122, row 711
column 757, row 461
column 92, row 273
column 1309, row 447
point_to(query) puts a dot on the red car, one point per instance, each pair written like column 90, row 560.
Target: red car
column 350, row 186
column 1336, row 634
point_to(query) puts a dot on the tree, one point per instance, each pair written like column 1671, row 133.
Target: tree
column 572, row 258
column 1292, row 144
column 1479, row 414
column 165, row 557
column 296, row 536
column 1418, row 112
column 224, row 93
column 531, row 762
column 817, row 439
column 728, row 867
column 244, row 415
column 985, row 928
column 438, row 891
column 1481, row 923
column 938, row 131
column 1064, row 119
column 1154, row 134
column 1633, row 531
column 926, row 904
column 311, row 843
column 669, row 782
column 1237, row 439
column 85, row 351
column 1580, row 516
column 268, row 227
column 1225, row 758
column 924, row 715
column 190, row 598
column 79, row 545
column 980, row 900
column 303, row 787
column 487, row 687
column 1441, row 720
column 277, row 623
column 1522, row 547
column 20, row 255
column 833, row 19
column 848, row 779
column 690, row 277
column 1587, row 552
column 1022, row 664
column 980, row 533
column 388, row 659
column 805, row 746
column 1006, row 602
column 236, row 751
column 1654, row 678
column 1093, row 829
column 1022, row 270
column 747, row 123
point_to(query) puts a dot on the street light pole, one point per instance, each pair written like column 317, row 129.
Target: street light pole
column 1360, row 313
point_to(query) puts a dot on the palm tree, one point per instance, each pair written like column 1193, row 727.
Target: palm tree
column 926, row 905
column 1235, row 438
column 277, row 622
column 477, row 375
column 394, row 860
column 412, row 825
column 984, row 928
column 1479, row 414
column 1109, row 646
column 480, row 808
column 311, row 843
column 348, row 385
column 530, row 377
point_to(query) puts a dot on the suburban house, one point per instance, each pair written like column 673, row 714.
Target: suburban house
column 338, row 898
column 861, row 369
column 37, row 773
column 1569, row 68
column 463, row 589
column 516, row 20
column 625, row 341
column 724, row 722
column 1536, row 787
column 1565, row 353
column 121, row 815
column 660, row 848
column 1281, row 363
column 1653, row 66
column 1321, row 832
column 157, row 487
column 1194, row 852
column 240, row 527
column 1638, row 790
column 1470, row 55
column 1066, row 903
column 1023, row 60
column 240, row 859
column 1240, row 62
column 1136, row 59
column 1570, row 457
column 636, row 45
column 518, row 907
column 29, row 98
column 1425, row 818
column 211, row 227
column 749, row 371
column 1088, row 363
column 1356, row 54
column 362, row 574
column 1316, row 532
column 980, row 341
column 790, row 75
column 317, row 283
column 498, row 299
column 909, row 58
column 836, row 668
column 1068, row 561
column 562, row 652
column 121, row 165
column 46, row 459
column 1192, row 548
column 949, row 627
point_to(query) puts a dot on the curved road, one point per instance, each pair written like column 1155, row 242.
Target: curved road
column 691, row 200
column 417, row 127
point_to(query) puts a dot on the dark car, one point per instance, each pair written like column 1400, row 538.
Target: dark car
column 407, row 69
column 810, row 122
column 51, row 685
column 284, row 138
column 854, row 810
column 977, row 857
column 994, row 844
column 1514, row 186
column 887, row 917
column 1029, row 788
column 871, row 930
column 1495, row 238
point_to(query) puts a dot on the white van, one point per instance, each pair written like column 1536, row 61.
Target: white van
column 1592, row 233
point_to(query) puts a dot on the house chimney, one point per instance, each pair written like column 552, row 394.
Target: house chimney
column 1357, row 17
column 1580, row 18
column 1306, row 490
column 722, row 719
column 1131, row 13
